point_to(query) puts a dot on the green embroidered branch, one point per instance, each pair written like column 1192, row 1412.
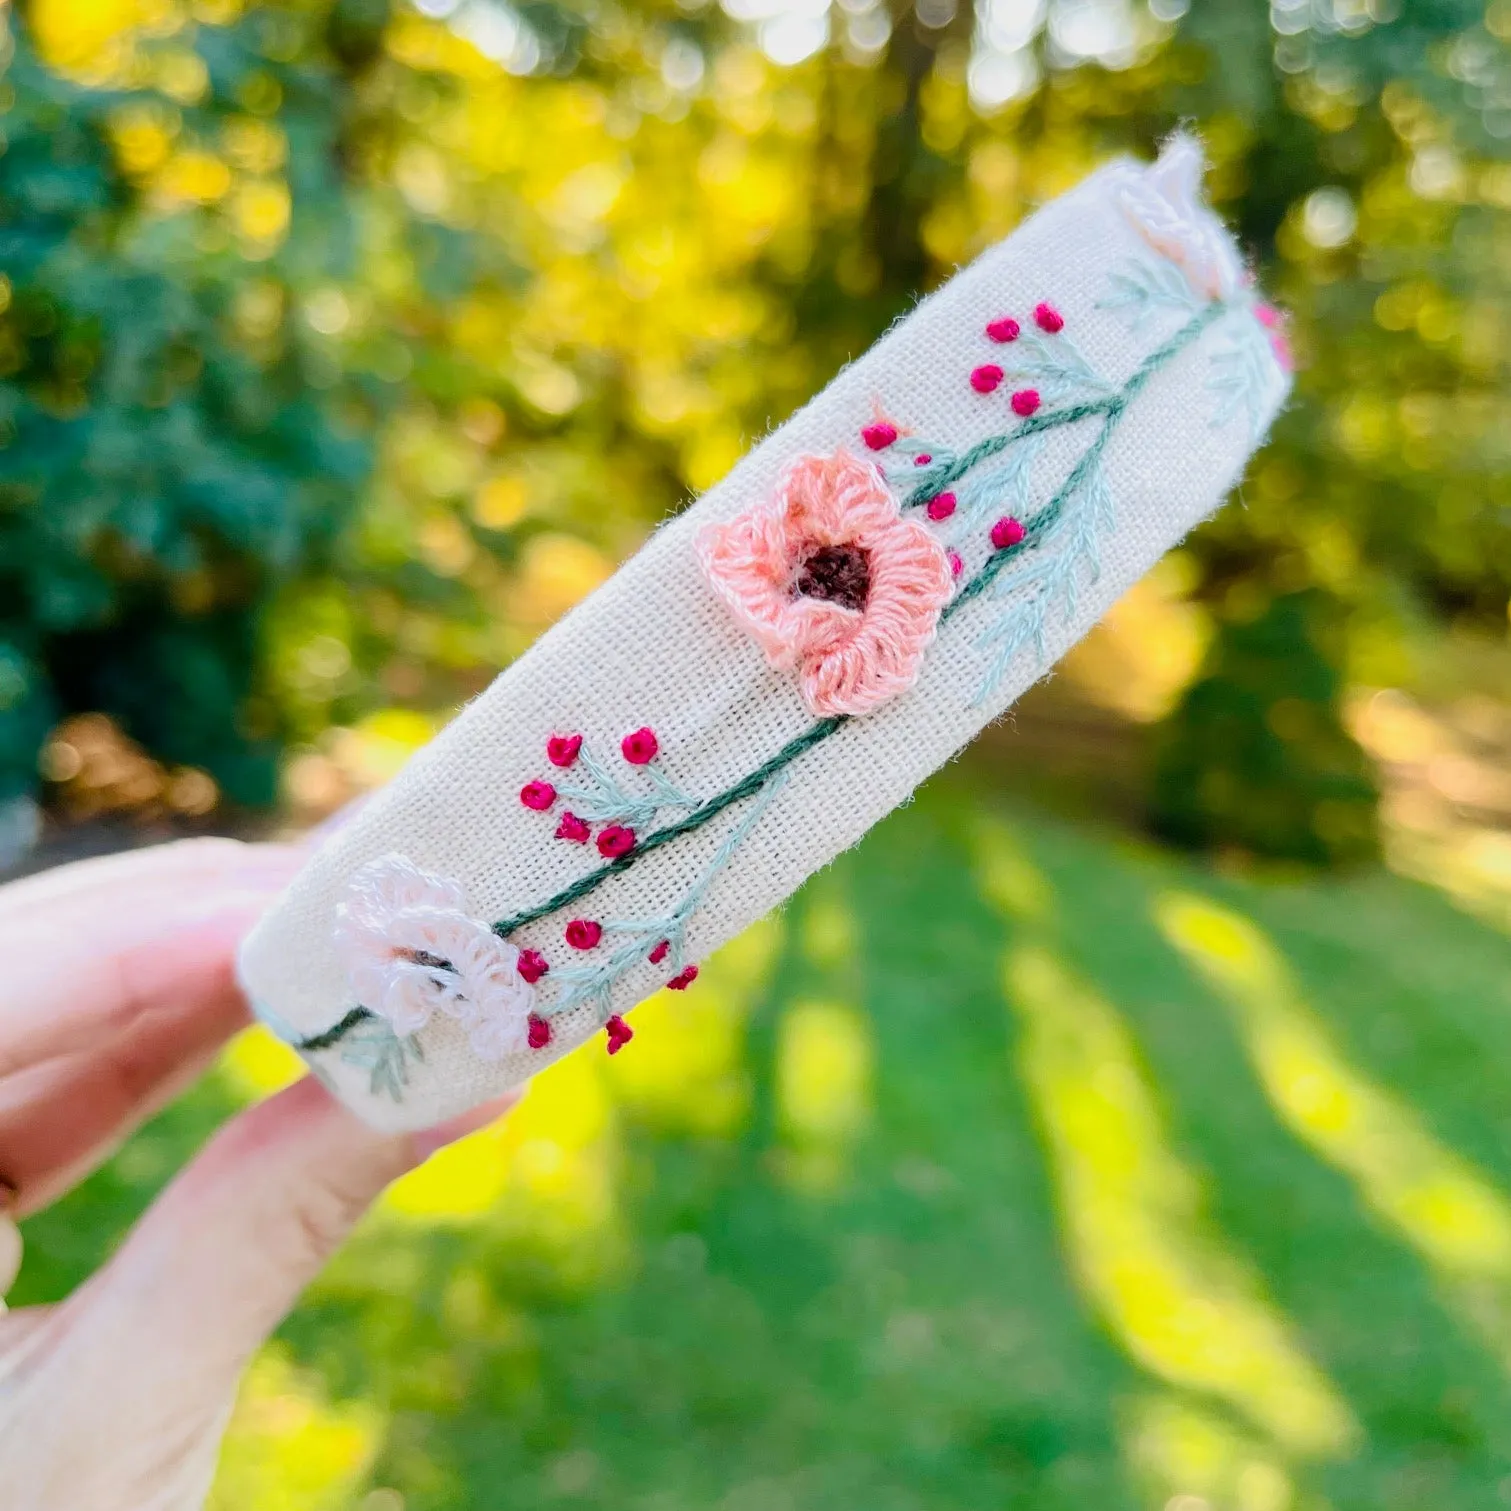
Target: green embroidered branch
column 1114, row 409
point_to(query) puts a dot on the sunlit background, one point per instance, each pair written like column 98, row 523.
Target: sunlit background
column 1126, row 1124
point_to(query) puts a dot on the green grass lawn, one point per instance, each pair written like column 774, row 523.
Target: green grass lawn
column 1014, row 1165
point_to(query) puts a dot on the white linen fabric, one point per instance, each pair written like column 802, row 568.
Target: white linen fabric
column 656, row 647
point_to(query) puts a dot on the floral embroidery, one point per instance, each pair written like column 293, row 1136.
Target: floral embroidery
column 830, row 578
column 411, row 949
column 837, row 578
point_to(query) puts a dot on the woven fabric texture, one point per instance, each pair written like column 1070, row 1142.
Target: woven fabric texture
column 655, row 647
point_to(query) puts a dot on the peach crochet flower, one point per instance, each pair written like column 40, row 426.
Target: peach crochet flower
column 411, row 949
column 828, row 577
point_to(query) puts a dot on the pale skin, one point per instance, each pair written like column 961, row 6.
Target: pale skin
column 116, row 992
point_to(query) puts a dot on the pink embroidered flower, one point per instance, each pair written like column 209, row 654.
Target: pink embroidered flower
column 986, row 377
column 957, row 566
column 1005, row 329
column 1163, row 204
column 1025, row 402
column 583, row 933
column 941, row 506
column 573, row 828
column 830, row 579
column 411, row 949
column 1049, row 319
column 537, row 795
column 683, row 979
column 561, row 750
column 658, row 954
column 539, row 1033
column 619, row 1032
column 880, row 435
column 616, row 840
column 640, row 747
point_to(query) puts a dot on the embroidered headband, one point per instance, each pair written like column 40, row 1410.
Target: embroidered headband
column 782, row 664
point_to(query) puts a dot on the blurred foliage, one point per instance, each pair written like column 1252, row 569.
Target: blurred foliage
column 346, row 344
column 1256, row 755
column 1013, row 1165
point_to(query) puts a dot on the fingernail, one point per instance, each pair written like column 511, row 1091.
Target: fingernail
column 429, row 1140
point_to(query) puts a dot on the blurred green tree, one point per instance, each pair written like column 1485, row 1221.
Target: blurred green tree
column 315, row 360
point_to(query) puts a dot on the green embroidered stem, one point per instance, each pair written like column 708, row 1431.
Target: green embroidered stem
column 982, row 450
column 336, row 1032
column 1112, row 407
column 752, row 782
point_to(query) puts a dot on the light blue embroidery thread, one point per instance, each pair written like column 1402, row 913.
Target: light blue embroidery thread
column 594, row 983
column 608, row 802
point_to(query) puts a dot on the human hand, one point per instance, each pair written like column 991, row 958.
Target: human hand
column 116, row 993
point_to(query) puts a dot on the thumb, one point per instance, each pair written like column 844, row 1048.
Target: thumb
column 141, row 1361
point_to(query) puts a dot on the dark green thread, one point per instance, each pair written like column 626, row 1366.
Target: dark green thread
column 336, row 1032
column 748, row 784
column 1113, row 408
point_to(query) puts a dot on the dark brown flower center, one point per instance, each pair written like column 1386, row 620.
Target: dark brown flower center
column 837, row 574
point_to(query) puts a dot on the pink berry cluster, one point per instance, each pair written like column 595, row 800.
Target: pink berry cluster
column 639, row 747
column 988, row 377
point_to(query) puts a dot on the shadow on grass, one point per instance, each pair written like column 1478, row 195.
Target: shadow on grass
column 968, row 1181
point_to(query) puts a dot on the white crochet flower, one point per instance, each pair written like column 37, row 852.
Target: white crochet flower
column 411, row 949
column 1164, row 204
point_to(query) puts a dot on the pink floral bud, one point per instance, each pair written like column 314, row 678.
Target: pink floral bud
column 1005, row 329
column 532, row 965
column 1006, row 532
column 1025, row 401
column 941, row 506
column 658, row 954
column 1048, row 318
column 584, row 933
column 571, row 827
column 539, row 1032
column 880, row 435
column 561, row 750
column 683, row 979
column 956, row 565
column 615, row 841
column 537, row 795
column 640, row 747
column 619, row 1032
column 984, row 379
column 922, row 459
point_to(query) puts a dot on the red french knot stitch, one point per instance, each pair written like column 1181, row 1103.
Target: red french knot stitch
column 1005, row 329
column 640, row 746
column 957, row 566
column 658, row 954
column 1006, row 532
column 561, row 750
column 619, row 1032
column 922, row 459
column 537, row 795
column 583, row 933
column 538, row 1032
column 573, row 828
column 1048, row 318
column 1025, row 401
column 941, row 506
column 880, row 435
column 532, row 965
column 615, row 841
column 683, row 979
column 985, row 378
